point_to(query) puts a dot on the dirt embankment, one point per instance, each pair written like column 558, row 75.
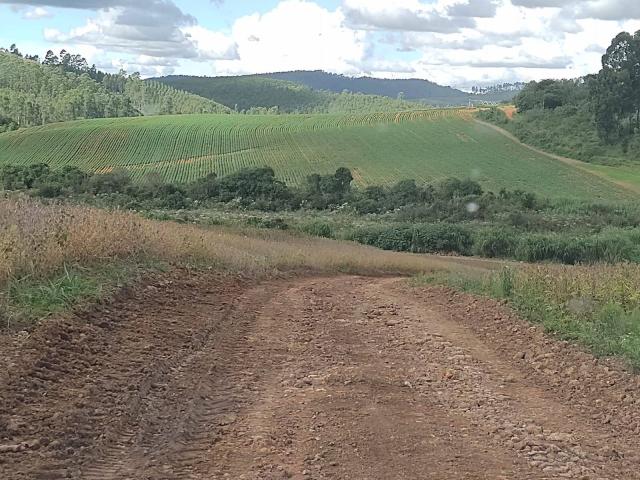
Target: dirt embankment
column 207, row 377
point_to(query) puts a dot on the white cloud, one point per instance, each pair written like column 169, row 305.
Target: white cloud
column 296, row 35
column 211, row 45
column 404, row 15
column 518, row 43
column 156, row 29
column 37, row 13
column 456, row 42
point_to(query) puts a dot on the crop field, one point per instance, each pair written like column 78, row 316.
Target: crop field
column 628, row 175
column 379, row 148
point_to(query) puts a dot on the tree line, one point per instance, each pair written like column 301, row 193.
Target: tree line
column 65, row 87
column 256, row 94
column 450, row 215
column 593, row 118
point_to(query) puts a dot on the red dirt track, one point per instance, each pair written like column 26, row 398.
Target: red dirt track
column 211, row 377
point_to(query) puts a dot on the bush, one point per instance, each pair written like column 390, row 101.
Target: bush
column 609, row 247
column 424, row 238
column 441, row 238
column 495, row 243
column 113, row 182
column 204, row 188
column 318, row 229
column 48, row 190
column 271, row 223
column 494, row 115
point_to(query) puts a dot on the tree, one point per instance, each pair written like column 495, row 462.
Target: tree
column 50, row 59
column 615, row 91
column 13, row 50
column 343, row 179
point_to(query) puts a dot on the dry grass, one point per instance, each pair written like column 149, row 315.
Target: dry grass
column 37, row 240
column 564, row 285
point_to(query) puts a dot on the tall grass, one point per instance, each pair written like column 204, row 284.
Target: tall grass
column 596, row 306
column 37, row 240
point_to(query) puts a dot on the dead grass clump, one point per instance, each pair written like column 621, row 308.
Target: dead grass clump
column 602, row 284
column 38, row 239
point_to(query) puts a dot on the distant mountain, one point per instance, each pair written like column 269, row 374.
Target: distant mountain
column 261, row 94
column 412, row 89
column 423, row 91
column 310, row 91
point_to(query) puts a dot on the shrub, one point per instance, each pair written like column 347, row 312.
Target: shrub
column 112, row 182
column 495, row 243
column 424, row 238
column 441, row 238
column 48, row 190
column 318, row 229
column 270, row 223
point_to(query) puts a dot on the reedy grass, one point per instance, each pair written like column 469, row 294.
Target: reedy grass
column 52, row 255
column 595, row 306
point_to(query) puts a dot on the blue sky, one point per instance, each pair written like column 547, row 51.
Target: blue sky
column 453, row 42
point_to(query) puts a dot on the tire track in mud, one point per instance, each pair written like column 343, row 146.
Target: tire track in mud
column 209, row 377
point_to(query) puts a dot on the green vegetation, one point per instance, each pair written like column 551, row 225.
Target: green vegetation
column 260, row 94
column 29, row 299
column 65, row 88
column 449, row 216
column 597, row 306
column 379, row 149
column 35, row 94
column 595, row 118
column 418, row 90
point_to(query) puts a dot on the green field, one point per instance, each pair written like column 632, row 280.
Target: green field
column 379, row 148
column 624, row 174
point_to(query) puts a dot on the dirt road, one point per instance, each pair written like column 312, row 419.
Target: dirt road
column 206, row 377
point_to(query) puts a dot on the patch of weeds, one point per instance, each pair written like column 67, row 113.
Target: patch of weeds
column 607, row 330
column 469, row 282
column 29, row 300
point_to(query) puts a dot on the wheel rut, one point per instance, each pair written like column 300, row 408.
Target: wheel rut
column 212, row 377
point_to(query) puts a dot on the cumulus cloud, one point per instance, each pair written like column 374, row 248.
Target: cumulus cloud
column 79, row 4
column 295, row 35
column 458, row 42
column 541, row 3
column 153, row 29
column 32, row 13
column 404, row 15
column 595, row 9
column 37, row 13
column 474, row 8
column 609, row 9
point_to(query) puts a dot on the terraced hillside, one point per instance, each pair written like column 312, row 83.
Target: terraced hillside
column 379, row 148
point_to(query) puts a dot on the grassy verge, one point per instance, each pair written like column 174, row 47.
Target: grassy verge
column 53, row 257
column 26, row 300
column 597, row 307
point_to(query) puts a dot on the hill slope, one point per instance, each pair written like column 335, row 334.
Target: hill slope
column 254, row 92
column 32, row 93
column 380, row 149
column 414, row 89
column 411, row 89
column 35, row 94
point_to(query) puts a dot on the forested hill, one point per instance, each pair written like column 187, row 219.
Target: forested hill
column 318, row 92
column 412, row 89
column 66, row 88
column 418, row 90
column 259, row 94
